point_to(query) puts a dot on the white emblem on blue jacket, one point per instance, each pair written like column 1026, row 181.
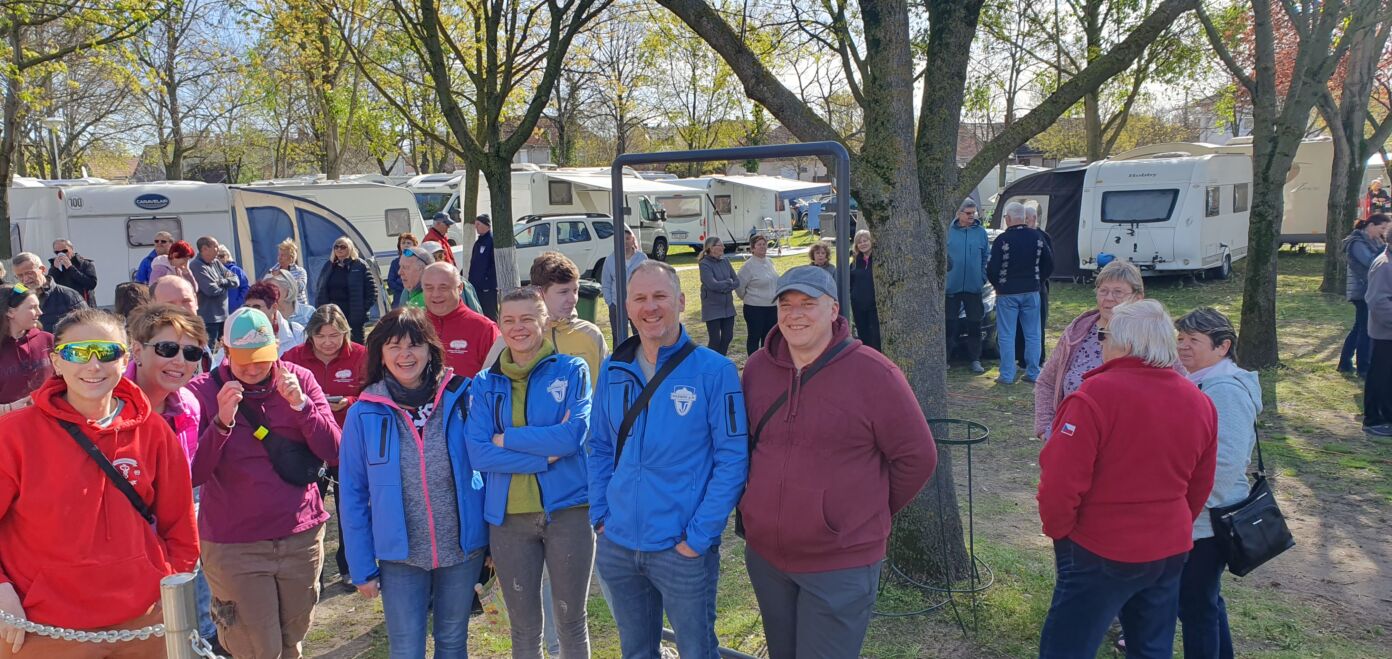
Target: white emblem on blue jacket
column 558, row 389
column 682, row 398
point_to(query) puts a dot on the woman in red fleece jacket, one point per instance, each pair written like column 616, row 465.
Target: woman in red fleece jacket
column 74, row 552
column 1128, row 466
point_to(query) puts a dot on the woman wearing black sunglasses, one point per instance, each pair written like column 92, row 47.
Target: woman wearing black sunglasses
column 24, row 348
column 347, row 282
column 167, row 344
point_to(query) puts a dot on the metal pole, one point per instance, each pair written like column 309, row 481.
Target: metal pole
column 833, row 150
column 57, row 167
column 178, row 599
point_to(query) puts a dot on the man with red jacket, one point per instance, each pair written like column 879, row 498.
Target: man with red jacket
column 468, row 336
column 439, row 232
column 1127, row 468
column 826, row 472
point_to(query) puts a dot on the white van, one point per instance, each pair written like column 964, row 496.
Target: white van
column 737, row 207
column 1167, row 215
column 114, row 225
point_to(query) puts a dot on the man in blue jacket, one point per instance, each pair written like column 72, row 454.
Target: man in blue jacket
column 967, row 253
column 660, row 497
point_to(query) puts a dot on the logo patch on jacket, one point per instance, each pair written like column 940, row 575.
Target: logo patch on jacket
column 1068, row 429
column 458, row 345
column 682, row 398
column 558, row 389
column 344, row 375
column 129, row 468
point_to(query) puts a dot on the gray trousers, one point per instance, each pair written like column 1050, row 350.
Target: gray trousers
column 564, row 547
column 814, row 615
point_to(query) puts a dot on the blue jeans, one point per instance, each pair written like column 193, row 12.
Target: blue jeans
column 410, row 594
column 1092, row 590
column 1021, row 309
column 643, row 584
column 1357, row 342
column 1203, row 615
column 204, row 602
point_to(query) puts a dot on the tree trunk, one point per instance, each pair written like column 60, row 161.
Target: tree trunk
column 1273, row 151
column 497, row 172
column 9, row 141
column 1340, row 214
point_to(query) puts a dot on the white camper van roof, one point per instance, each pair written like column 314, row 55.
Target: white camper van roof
column 785, row 187
column 169, row 198
column 1152, row 170
column 630, row 185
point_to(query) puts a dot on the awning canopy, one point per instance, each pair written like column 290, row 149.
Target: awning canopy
column 630, row 184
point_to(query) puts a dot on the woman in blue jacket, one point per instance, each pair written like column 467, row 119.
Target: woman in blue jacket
column 412, row 508
column 529, row 414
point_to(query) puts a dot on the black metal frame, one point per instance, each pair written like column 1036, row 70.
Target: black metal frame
column 833, row 150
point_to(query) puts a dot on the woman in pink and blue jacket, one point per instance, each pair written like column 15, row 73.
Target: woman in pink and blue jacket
column 412, row 506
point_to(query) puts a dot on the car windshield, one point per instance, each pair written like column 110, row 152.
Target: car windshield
column 431, row 203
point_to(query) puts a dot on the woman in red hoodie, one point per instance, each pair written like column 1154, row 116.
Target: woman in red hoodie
column 83, row 556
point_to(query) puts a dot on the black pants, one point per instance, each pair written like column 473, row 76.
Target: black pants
column 340, row 557
column 975, row 309
column 721, row 331
column 1377, row 392
column 1043, row 323
column 759, row 320
column 489, row 301
column 214, row 332
column 867, row 324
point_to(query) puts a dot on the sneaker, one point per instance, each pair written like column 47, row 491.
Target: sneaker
column 977, row 368
column 1028, row 378
column 1004, row 381
column 1383, row 430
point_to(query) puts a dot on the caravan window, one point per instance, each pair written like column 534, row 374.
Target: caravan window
column 140, row 231
column 1239, row 198
column 1213, row 201
column 1138, row 205
column 398, row 221
column 269, row 226
column 681, row 208
column 723, row 203
column 571, row 232
column 560, row 193
column 533, row 235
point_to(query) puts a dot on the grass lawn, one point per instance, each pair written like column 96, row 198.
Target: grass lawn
column 1331, row 596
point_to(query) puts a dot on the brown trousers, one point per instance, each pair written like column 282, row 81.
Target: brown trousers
column 42, row 647
column 264, row 593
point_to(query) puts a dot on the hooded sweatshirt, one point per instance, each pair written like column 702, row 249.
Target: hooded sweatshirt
column 578, row 337
column 467, row 336
column 835, row 463
column 181, row 412
column 76, row 550
column 1236, row 395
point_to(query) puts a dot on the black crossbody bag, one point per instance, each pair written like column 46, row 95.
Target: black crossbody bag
column 293, row 462
column 1252, row 531
column 778, row 403
column 641, row 403
column 111, row 473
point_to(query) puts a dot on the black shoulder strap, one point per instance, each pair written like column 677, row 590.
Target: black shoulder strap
column 116, row 478
column 777, row 403
column 631, row 414
column 1261, row 464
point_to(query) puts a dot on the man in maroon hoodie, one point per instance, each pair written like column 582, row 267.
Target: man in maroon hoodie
column 829, row 466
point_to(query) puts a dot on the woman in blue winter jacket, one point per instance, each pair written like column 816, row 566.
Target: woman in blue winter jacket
column 412, row 506
column 529, row 414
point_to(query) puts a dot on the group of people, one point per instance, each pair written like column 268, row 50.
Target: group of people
column 1147, row 423
column 207, row 437
column 1367, row 349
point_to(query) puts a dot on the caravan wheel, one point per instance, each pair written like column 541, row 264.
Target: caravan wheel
column 1224, row 270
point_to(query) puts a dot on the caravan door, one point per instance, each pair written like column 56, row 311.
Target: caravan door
column 265, row 218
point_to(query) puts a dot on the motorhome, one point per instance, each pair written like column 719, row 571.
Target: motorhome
column 1167, row 214
column 1306, row 194
column 548, row 190
column 736, row 207
column 115, row 225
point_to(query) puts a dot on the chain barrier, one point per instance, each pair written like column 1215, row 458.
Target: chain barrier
column 65, row 634
column 201, row 646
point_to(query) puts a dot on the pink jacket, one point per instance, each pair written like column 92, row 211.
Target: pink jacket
column 1048, row 387
column 181, row 410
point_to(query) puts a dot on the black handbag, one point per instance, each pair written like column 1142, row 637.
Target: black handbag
column 1252, row 531
column 293, row 461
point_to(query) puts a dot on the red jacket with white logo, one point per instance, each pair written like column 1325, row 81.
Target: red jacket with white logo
column 341, row 377
column 1129, row 462
column 75, row 549
column 467, row 336
column 436, row 236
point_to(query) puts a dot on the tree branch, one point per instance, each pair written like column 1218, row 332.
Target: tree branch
column 1215, row 39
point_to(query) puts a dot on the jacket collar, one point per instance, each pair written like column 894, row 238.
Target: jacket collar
column 627, row 352
column 781, row 355
column 1127, row 363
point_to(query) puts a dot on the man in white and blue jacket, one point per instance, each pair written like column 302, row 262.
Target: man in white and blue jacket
column 660, row 498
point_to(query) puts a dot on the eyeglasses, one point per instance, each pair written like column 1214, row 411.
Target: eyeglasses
column 417, row 254
column 338, row 247
column 161, row 241
column 82, row 352
column 60, row 251
column 1114, row 293
column 167, row 349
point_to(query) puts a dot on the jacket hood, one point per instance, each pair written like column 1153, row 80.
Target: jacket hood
column 1226, row 372
column 781, row 355
column 49, row 399
column 952, row 224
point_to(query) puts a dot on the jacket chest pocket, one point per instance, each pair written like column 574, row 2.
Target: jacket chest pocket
column 617, row 401
column 380, row 439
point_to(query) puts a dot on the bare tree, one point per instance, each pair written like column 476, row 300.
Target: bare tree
column 623, row 64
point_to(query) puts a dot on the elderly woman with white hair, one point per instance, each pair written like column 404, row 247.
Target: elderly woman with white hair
column 1129, row 466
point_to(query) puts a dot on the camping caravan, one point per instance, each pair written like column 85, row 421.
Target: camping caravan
column 380, row 212
column 741, row 205
column 1167, row 214
column 1306, row 208
column 115, row 225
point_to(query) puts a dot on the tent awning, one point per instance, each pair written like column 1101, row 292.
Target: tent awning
column 630, row 184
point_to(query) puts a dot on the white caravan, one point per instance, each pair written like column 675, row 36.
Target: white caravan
column 1306, row 208
column 380, row 212
column 739, row 206
column 1167, row 214
column 114, row 225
